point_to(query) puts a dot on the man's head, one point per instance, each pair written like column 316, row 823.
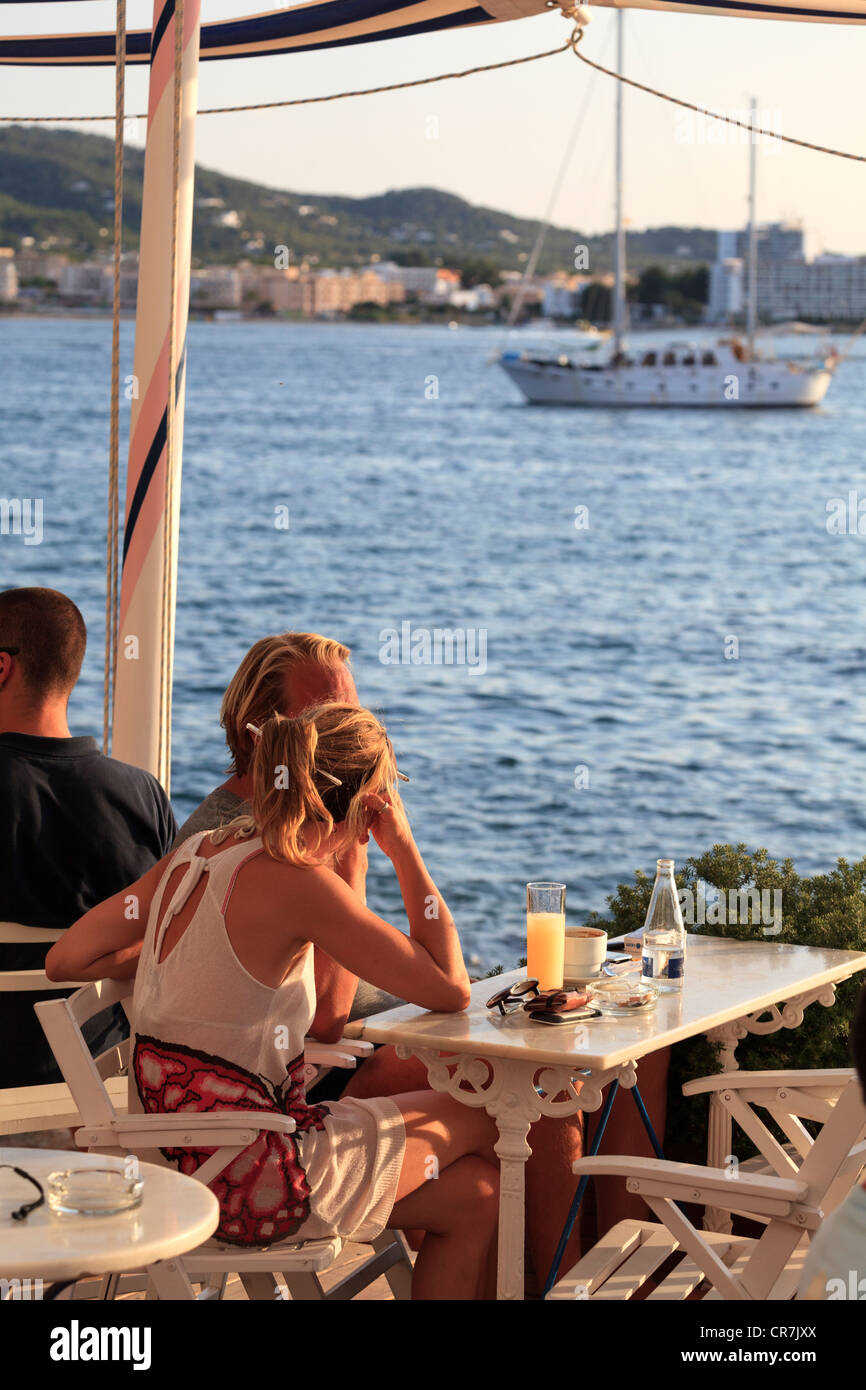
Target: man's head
column 282, row 675
column 50, row 636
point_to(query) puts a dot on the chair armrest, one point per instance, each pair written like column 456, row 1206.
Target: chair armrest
column 342, row 1054
column 33, row 980
column 16, row 934
column 683, row 1180
column 185, row 1130
column 746, row 1080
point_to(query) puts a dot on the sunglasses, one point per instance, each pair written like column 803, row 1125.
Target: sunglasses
column 527, row 996
column 22, row 1212
column 10, row 651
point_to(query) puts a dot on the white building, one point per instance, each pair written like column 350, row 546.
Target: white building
column 727, row 290
column 562, row 297
column 8, row 275
column 790, row 283
column 216, row 287
column 479, row 298
column 832, row 287
column 87, row 282
column 428, row 282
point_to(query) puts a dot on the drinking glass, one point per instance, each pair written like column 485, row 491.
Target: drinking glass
column 545, row 933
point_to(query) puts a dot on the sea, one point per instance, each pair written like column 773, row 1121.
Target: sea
column 660, row 613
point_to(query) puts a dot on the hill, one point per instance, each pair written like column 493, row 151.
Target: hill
column 58, row 185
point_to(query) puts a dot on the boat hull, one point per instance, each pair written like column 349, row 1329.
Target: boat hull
column 761, row 385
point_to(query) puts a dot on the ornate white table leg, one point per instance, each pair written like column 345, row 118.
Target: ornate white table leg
column 720, row 1136
column 514, row 1110
column 516, row 1094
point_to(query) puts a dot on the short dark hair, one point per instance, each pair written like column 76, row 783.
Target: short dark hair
column 858, row 1039
column 51, row 635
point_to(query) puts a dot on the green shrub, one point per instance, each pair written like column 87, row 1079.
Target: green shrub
column 825, row 910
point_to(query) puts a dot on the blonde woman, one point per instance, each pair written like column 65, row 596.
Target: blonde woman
column 225, row 994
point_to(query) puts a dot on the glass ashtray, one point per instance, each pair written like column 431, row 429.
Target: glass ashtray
column 92, row 1191
column 624, row 996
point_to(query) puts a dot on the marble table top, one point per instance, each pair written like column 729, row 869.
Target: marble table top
column 724, row 980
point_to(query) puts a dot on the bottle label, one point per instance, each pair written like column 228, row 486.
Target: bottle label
column 671, row 970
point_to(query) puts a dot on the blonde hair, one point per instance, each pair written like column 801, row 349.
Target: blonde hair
column 258, row 688
column 293, row 762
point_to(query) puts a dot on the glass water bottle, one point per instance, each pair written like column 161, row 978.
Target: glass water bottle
column 664, row 936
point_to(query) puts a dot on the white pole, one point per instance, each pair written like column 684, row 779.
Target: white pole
column 619, row 244
column 145, row 644
column 752, row 302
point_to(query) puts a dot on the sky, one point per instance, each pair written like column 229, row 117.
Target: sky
column 499, row 139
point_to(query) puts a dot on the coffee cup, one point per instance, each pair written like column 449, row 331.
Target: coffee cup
column 585, row 951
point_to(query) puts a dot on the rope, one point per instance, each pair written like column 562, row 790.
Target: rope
column 572, row 44
column 112, row 539
column 702, row 111
column 168, row 557
column 312, row 101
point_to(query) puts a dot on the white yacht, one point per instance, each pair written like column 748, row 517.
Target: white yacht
column 728, row 373
column 681, row 374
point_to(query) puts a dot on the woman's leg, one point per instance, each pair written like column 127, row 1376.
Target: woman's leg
column 550, row 1182
column 449, row 1191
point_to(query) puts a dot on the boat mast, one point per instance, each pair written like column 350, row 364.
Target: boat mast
column 619, row 243
column 752, row 301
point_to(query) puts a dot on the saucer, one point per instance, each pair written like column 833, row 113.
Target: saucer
column 583, row 979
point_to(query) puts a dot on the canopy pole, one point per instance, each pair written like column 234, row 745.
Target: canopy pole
column 145, row 650
column 619, row 234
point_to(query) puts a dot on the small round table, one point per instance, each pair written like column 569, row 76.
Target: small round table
column 176, row 1214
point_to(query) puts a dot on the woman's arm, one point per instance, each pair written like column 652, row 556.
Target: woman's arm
column 425, row 967
column 105, row 943
column 336, row 986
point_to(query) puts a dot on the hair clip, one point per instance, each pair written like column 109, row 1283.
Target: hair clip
column 402, row 776
column 335, row 781
column 255, row 731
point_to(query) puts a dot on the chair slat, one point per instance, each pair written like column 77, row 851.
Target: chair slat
column 739, row 1264
column 311, row 1257
column 688, row 1276
column 109, row 1063
column 598, row 1263
column 639, row 1266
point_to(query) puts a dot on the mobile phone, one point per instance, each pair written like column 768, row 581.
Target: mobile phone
column 616, row 958
column 574, row 1016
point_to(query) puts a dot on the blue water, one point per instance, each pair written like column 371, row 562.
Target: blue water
column 605, row 648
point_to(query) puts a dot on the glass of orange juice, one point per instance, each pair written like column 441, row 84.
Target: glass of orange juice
column 545, row 933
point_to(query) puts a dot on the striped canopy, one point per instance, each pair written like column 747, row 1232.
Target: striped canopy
column 323, row 24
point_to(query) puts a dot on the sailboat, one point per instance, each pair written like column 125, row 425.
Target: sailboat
column 730, row 372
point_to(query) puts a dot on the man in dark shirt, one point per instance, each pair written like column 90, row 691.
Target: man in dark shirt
column 75, row 826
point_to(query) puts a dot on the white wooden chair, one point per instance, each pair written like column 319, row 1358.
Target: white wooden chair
column 106, row 1130
column 49, row 1106
column 789, row 1098
column 805, row 1180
